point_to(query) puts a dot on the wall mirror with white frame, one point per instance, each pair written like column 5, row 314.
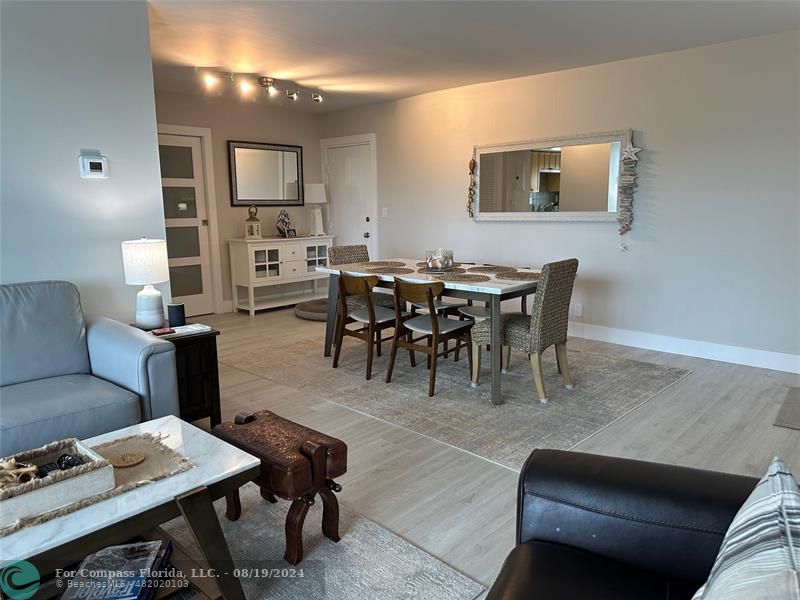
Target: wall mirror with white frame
column 265, row 174
column 578, row 178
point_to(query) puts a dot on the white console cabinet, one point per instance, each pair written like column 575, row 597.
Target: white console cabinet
column 273, row 272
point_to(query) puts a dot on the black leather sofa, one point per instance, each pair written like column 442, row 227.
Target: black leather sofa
column 600, row 528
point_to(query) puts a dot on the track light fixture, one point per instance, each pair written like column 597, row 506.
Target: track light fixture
column 246, row 82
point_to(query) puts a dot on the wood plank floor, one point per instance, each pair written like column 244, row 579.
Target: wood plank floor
column 460, row 507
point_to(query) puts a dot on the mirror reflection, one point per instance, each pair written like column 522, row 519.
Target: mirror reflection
column 265, row 174
column 575, row 178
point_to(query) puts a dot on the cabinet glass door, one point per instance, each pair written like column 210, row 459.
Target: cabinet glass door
column 268, row 264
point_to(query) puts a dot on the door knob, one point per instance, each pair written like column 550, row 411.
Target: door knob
column 366, row 234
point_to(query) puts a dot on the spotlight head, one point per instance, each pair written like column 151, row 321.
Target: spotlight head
column 316, row 97
column 292, row 95
column 268, row 83
column 210, row 79
column 245, row 86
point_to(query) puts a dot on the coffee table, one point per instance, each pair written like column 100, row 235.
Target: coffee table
column 219, row 468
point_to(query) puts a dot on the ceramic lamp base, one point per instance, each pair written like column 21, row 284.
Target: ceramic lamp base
column 316, row 221
column 149, row 308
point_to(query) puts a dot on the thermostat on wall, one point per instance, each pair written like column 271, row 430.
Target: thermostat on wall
column 93, row 167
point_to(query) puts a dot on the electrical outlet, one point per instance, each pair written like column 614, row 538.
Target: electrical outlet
column 385, row 212
column 577, row 309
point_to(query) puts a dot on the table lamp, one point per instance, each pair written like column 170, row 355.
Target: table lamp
column 315, row 196
column 145, row 263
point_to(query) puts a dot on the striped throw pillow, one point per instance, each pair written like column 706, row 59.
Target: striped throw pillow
column 760, row 555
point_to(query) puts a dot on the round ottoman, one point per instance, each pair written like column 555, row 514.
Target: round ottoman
column 313, row 310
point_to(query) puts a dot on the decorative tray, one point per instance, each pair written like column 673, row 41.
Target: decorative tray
column 60, row 488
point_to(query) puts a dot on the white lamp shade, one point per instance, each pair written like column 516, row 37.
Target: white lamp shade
column 315, row 193
column 145, row 261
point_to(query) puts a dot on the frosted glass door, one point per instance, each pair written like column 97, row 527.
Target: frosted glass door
column 183, row 194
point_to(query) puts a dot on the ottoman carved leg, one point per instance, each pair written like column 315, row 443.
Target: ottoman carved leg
column 330, row 511
column 233, row 508
column 294, row 529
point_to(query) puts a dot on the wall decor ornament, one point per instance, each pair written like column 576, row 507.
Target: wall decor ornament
column 626, row 185
column 284, row 224
column 471, row 189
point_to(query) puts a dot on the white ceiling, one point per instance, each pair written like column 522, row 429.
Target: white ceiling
column 363, row 52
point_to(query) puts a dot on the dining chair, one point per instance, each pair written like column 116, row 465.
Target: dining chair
column 372, row 318
column 432, row 327
column 546, row 325
column 357, row 253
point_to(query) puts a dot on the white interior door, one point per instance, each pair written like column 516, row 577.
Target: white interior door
column 183, row 193
column 349, row 171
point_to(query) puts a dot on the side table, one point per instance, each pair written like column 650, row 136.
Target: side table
column 198, row 375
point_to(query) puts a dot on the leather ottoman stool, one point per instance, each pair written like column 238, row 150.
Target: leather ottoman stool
column 297, row 463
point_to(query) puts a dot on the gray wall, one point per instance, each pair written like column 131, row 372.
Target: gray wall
column 714, row 254
column 77, row 75
column 249, row 122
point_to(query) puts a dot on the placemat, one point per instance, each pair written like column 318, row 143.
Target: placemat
column 383, row 263
column 461, row 277
column 428, row 271
column 424, row 264
column 390, row 270
column 490, row 269
column 518, row 276
column 161, row 461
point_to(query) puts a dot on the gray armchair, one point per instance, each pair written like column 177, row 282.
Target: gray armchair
column 66, row 376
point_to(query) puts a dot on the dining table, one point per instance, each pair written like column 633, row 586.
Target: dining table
column 492, row 289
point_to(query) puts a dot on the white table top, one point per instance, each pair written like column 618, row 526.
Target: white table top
column 492, row 286
column 213, row 460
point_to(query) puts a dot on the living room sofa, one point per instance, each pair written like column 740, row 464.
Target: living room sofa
column 605, row 528
column 66, row 376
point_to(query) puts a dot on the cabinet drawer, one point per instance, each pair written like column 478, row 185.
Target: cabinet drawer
column 294, row 269
column 292, row 252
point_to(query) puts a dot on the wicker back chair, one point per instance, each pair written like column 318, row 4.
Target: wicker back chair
column 533, row 334
column 345, row 255
column 357, row 253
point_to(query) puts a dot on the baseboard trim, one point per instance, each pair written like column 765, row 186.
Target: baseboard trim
column 764, row 359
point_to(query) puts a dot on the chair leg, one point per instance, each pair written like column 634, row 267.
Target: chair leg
column 339, row 335
column 392, row 356
column 378, row 341
column 538, row 377
column 561, row 355
column 432, row 383
column 476, row 363
column 411, row 355
column 430, row 343
column 468, row 344
column 370, row 350
column 506, row 358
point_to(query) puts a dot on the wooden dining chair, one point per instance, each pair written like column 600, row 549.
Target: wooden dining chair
column 433, row 328
column 546, row 325
column 373, row 319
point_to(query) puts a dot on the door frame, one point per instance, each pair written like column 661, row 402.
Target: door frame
column 368, row 139
column 204, row 133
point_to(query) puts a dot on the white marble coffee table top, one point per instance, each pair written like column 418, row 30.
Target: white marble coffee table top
column 492, row 286
column 213, row 460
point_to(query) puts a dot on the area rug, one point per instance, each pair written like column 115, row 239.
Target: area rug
column 369, row 563
column 606, row 388
column 789, row 412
